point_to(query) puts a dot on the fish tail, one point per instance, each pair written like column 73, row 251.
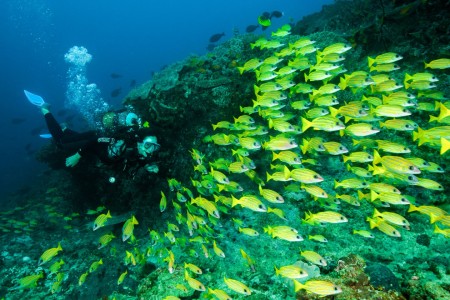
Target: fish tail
column 376, row 213
column 333, row 111
column 445, row 145
column 256, row 89
column 342, row 83
column 275, row 156
column 287, row 173
column 376, row 157
column 306, row 124
column 298, row 286
column 412, row 208
column 234, row 201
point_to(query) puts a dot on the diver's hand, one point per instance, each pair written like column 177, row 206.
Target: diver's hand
column 72, row 161
column 152, row 168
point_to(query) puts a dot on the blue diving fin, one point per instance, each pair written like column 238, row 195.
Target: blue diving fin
column 34, row 99
column 46, row 136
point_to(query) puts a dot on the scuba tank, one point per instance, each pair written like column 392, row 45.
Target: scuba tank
column 112, row 121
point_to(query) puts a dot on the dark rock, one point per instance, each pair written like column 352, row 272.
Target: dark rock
column 423, row 240
column 382, row 276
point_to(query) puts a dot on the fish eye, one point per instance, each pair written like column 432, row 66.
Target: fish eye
column 291, row 143
column 405, row 148
column 439, row 169
column 404, row 200
column 440, row 187
column 408, row 126
column 405, row 110
column 411, row 178
column 260, row 206
column 411, row 168
column 337, row 123
column 341, row 148
column 364, row 183
column 335, row 288
column 316, row 177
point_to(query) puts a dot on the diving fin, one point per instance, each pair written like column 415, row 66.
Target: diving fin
column 46, row 136
column 34, row 99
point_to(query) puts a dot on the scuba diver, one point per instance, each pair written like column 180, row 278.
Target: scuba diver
column 129, row 147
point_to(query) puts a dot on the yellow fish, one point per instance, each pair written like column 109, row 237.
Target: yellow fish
column 291, row 271
column 193, row 268
column 49, row 254
column 303, row 175
column 277, row 211
column 163, row 202
column 286, row 233
column 445, row 232
column 248, row 231
column 207, row 205
column 319, row 287
column 30, row 281
column 250, row 65
column 395, row 164
column 384, row 58
column 95, row 265
column 54, row 268
column 82, row 278
column 364, row 233
column 217, row 250
column 122, row 277
column 325, row 217
column 101, row 220
column 383, row 226
column 392, row 218
column 105, row 240
column 314, row 258
column 325, row 123
column 219, row 294
column 128, row 228
column 280, row 143
column 249, row 201
column 194, row 283
column 318, row 238
column 441, row 63
column 237, row 286
column 270, row 195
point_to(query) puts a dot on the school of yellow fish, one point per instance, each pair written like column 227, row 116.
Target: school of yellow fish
column 295, row 120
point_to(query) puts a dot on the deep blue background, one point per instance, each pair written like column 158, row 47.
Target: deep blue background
column 133, row 38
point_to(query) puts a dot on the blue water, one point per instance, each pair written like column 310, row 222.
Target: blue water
column 132, row 39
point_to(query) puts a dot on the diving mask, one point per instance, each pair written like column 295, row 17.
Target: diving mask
column 150, row 144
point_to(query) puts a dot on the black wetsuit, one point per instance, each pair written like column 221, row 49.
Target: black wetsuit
column 90, row 143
